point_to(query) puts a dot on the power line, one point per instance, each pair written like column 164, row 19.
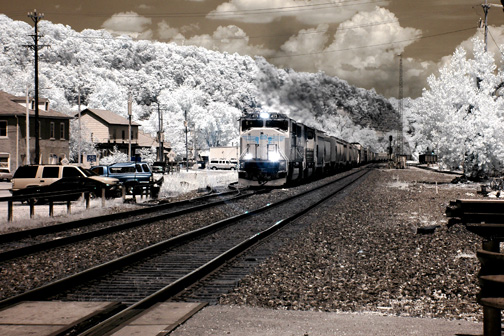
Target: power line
column 250, row 37
column 256, row 11
column 374, row 45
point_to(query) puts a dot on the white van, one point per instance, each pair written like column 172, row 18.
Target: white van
column 222, row 164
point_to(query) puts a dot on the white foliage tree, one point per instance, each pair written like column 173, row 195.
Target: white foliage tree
column 461, row 116
column 86, row 145
column 212, row 88
column 148, row 155
column 115, row 156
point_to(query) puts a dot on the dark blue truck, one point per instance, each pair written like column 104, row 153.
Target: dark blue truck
column 136, row 177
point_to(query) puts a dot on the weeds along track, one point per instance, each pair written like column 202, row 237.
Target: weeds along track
column 165, row 269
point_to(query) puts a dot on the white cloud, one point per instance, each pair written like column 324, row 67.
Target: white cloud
column 495, row 44
column 370, row 40
column 307, row 40
column 364, row 51
column 129, row 23
column 166, row 32
column 231, row 39
column 310, row 12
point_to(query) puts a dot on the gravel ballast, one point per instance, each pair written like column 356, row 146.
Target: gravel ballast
column 363, row 254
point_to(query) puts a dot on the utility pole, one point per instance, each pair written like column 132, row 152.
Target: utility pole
column 36, row 18
column 486, row 7
column 161, row 108
column 130, row 102
column 401, row 138
column 27, row 127
column 186, row 149
column 80, row 131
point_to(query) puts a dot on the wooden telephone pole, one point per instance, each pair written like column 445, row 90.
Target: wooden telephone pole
column 36, row 17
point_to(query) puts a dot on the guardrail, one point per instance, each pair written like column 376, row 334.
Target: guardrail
column 486, row 219
column 133, row 189
column 50, row 197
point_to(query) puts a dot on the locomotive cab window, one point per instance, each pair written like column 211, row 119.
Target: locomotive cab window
column 281, row 124
column 309, row 134
column 248, row 124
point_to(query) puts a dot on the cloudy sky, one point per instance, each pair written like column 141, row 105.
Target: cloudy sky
column 357, row 40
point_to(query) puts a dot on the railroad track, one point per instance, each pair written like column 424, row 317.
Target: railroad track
column 24, row 242
column 163, row 270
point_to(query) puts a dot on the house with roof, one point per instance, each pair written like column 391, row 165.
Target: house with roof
column 107, row 130
column 16, row 149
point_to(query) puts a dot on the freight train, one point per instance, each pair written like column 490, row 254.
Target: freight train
column 276, row 150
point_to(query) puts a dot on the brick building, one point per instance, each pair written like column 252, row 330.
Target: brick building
column 54, row 128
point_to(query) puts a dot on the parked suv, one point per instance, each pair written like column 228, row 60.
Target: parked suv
column 32, row 176
column 126, row 172
column 131, row 175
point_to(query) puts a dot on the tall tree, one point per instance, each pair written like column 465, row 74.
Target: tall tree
column 461, row 116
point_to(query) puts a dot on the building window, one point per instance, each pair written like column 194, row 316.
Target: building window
column 124, row 135
column 51, row 130
column 62, row 131
column 3, row 128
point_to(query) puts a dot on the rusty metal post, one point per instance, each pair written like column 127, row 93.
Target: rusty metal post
column 103, row 197
column 491, row 316
column 69, row 207
column 491, row 322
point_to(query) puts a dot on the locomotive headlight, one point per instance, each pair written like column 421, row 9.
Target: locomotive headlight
column 274, row 156
column 248, row 156
column 264, row 115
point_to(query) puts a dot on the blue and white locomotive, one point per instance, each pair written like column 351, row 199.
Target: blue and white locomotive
column 276, row 150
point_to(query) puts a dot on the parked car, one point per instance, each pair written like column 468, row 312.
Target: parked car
column 32, row 176
column 5, row 174
column 131, row 175
column 159, row 167
column 70, row 184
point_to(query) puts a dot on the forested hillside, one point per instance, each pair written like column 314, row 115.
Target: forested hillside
column 211, row 88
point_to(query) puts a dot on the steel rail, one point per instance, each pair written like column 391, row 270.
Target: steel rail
column 62, row 241
column 114, row 322
column 62, row 284
column 17, row 235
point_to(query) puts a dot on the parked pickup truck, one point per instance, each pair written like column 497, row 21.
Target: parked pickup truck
column 136, row 177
